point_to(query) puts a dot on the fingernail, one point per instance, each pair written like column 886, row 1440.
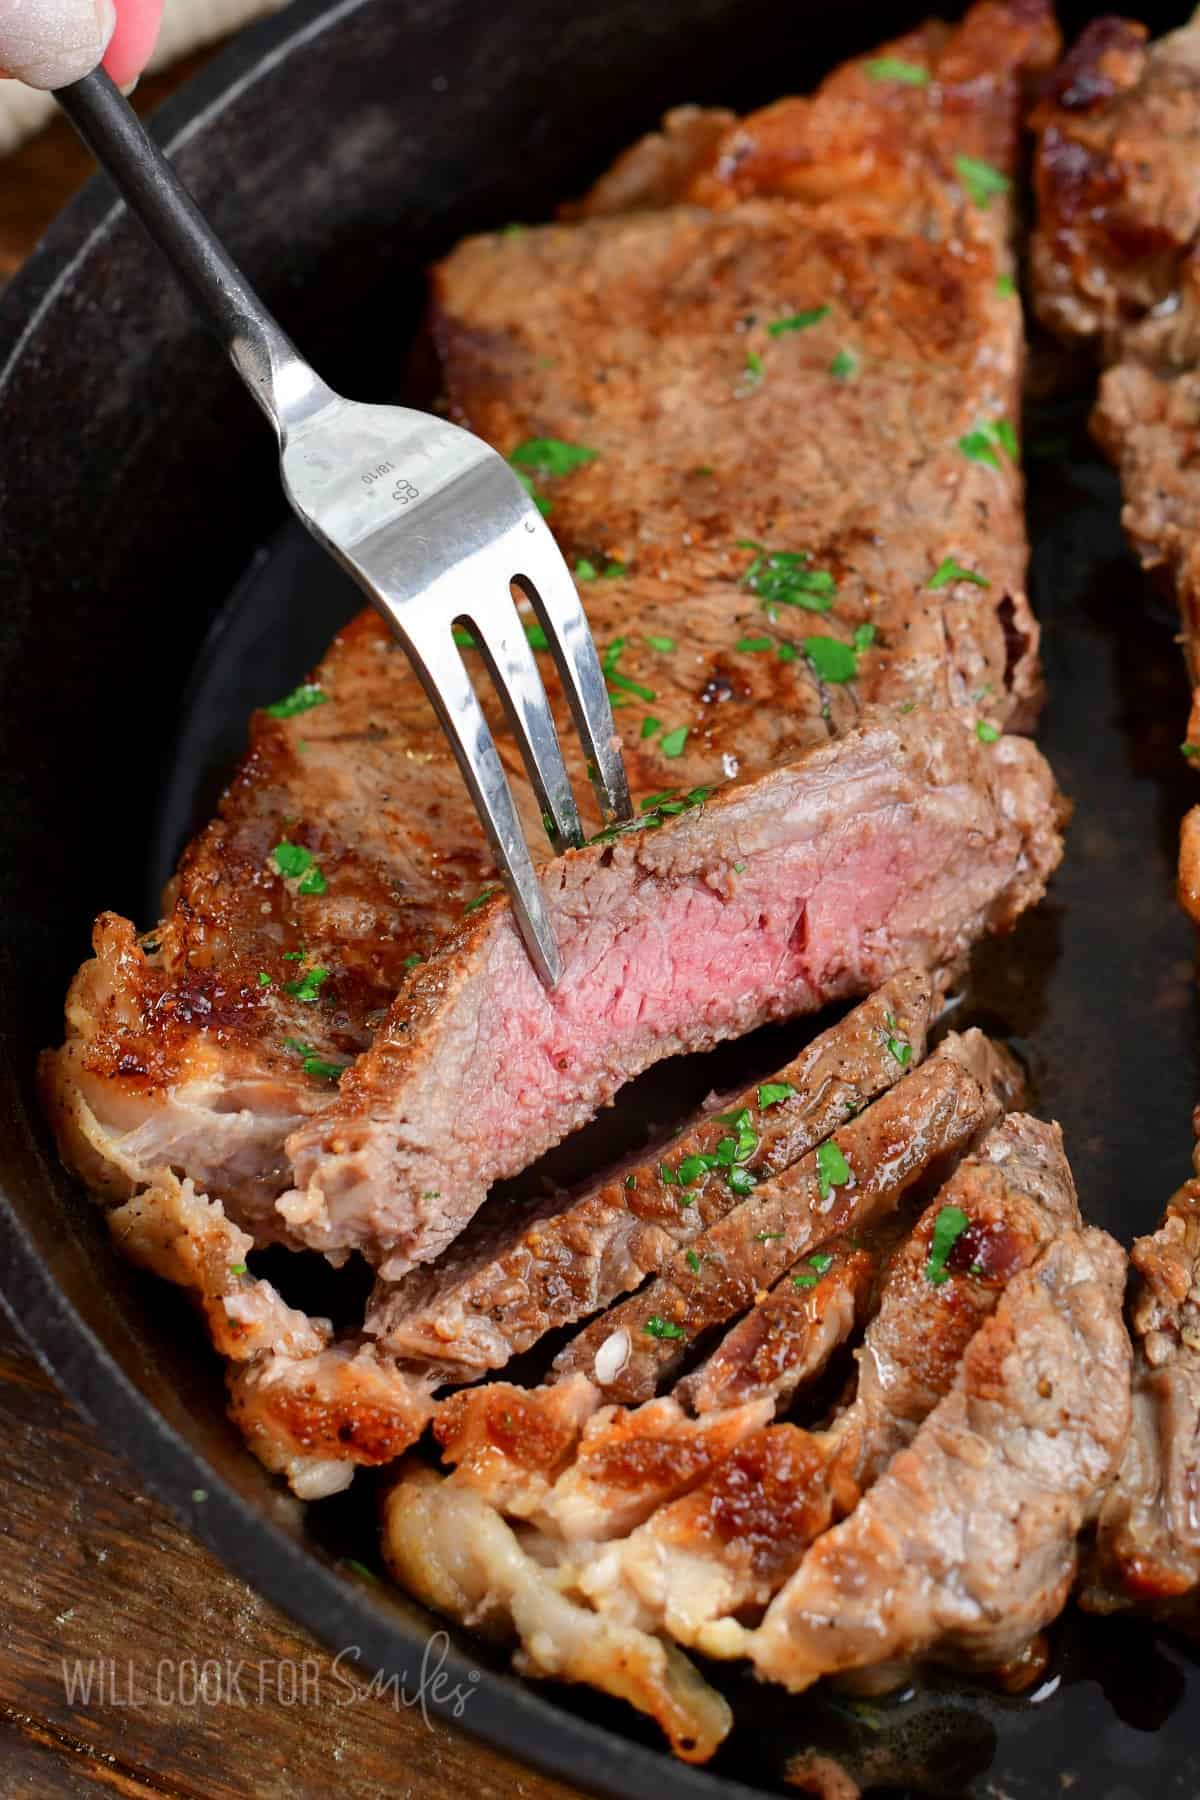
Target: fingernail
column 50, row 43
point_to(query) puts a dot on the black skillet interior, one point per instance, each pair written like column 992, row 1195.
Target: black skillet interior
column 339, row 149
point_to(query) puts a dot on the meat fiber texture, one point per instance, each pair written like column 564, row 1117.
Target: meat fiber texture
column 813, row 638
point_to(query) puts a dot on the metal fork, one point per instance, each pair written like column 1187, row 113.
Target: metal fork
column 431, row 522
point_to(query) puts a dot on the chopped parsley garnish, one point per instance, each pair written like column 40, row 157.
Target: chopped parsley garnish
column 948, row 1227
column 652, row 802
column 787, row 652
column 301, row 700
column 672, row 744
column 1189, row 749
column 832, row 1168
column 551, row 456
column 949, row 571
column 784, row 578
column 738, row 867
column 765, row 1237
column 981, row 180
column 585, row 570
column 237, row 1268
column 294, row 955
column 864, row 636
column 411, row 961
column 1006, row 287
column 832, row 660
column 650, row 726
column 291, row 859
column 463, row 638
column 740, row 1181
column 631, row 1181
column 614, row 570
column 667, row 1175
column 536, row 635
column 739, row 1120
column 313, row 1064
column 993, row 435
column 479, row 900
column 798, row 321
column 661, row 643
column 328, row 1071
column 693, row 1167
column 264, row 980
column 309, row 985
column 844, row 366
column 751, row 644
column 658, row 1327
column 894, row 68
column 821, row 1263
column 754, row 366
column 897, row 1047
column 693, row 1262
column 986, row 732
column 772, row 1092
column 612, row 655
column 294, row 860
column 632, row 687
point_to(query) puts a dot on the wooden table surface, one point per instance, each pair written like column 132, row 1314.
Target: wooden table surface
column 98, row 1580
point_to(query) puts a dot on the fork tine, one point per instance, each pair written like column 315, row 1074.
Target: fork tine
column 499, row 633
column 547, row 583
column 448, row 685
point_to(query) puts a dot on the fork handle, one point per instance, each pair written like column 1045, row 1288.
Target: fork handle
column 260, row 350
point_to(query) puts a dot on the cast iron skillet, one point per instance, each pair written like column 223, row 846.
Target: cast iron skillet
column 338, row 149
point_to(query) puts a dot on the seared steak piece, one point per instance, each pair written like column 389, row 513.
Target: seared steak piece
column 1147, row 1548
column 791, row 1333
column 858, row 1176
column 965, row 1547
column 1116, row 263
column 890, row 847
column 446, row 1545
column 700, row 1566
column 507, row 1280
column 511, row 1444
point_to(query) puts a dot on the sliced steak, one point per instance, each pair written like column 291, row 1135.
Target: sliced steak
column 1147, row 1547
column 447, row 1546
column 790, row 1334
column 965, row 1547
column 511, row 1444
column 936, row 1111
column 194, row 1055
column 701, row 1566
column 500, row 1286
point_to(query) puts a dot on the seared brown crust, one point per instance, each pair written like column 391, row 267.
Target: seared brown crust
column 1118, row 191
column 499, row 1288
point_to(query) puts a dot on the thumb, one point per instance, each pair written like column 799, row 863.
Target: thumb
column 48, row 43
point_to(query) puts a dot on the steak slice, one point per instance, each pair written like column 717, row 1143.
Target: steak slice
column 790, row 1334
column 1116, row 264
column 933, row 1113
column 965, row 1547
column 889, row 848
column 1147, row 1547
column 499, row 1287
column 698, row 1567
